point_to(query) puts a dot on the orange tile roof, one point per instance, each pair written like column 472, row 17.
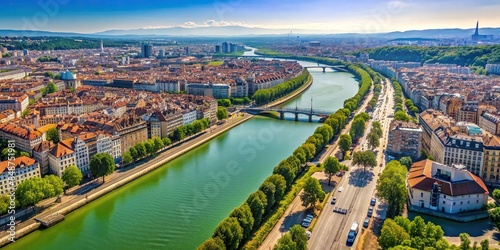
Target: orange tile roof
column 61, row 150
column 22, row 161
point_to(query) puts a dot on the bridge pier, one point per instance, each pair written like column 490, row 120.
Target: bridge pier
column 282, row 115
column 310, row 118
column 296, row 117
column 324, row 69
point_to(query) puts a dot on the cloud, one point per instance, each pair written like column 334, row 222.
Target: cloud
column 150, row 27
column 212, row 23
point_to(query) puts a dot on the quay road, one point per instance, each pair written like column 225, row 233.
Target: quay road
column 295, row 209
column 332, row 228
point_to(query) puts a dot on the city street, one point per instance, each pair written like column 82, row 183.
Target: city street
column 358, row 186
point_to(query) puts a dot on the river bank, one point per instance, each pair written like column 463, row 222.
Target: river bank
column 114, row 181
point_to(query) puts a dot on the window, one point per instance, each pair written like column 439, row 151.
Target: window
column 444, row 196
column 444, row 202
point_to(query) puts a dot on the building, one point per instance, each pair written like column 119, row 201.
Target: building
column 131, row 131
column 26, row 138
column 225, row 47
column 110, row 145
column 70, row 80
column 60, row 158
column 82, row 158
column 468, row 113
column 146, row 50
column 491, row 165
column 477, row 37
column 41, row 155
column 431, row 120
column 490, row 122
column 14, row 100
column 493, row 69
column 25, row 168
column 447, row 189
column 211, row 90
column 405, row 139
column 463, row 149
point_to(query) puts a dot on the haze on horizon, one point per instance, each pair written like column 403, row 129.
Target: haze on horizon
column 314, row 16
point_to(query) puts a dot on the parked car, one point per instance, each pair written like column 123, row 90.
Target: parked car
column 373, row 201
column 340, row 189
column 308, row 233
column 366, row 222
column 306, row 223
column 309, row 216
column 370, row 211
column 334, row 200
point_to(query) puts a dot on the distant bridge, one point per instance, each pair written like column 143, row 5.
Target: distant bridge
column 336, row 67
column 323, row 114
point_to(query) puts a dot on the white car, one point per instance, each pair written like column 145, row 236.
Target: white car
column 340, row 189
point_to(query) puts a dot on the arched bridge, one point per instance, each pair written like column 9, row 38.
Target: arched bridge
column 336, row 67
column 296, row 111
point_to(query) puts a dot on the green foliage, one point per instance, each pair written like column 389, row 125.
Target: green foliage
column 127, row 158
column 496, row 194
column 230, row 232
column 65, row 43
column 181, row 132
column 53, row 135
column 212, row 244
column 312, row 192
column 244, row 216
column 269, row 190
column 485, row 244
column 149, row 147
column 257, row 202
column 4, row 204
column 31, row 191
column 299, row 236
column 495, row 216
column 263, row 96
column 331, row 166
column 401, row 232
column 141, row 150
column 285, row 243
column 166, row 141
column 72, row 176
column 49, row 89
column 47, row 59
column 373, row 140
column 102, row 164
column 279, row 183
column 377, row 128
column 224, row 103
column 157, row 144
column 391, row 186
column 221, row 113
column 133, row 153
column 401, row 116
column 364, row 159
column 460, row 55
column 464, row 241
column 345, row 142
column 406, row 161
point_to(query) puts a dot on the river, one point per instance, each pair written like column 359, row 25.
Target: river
column 179, row 205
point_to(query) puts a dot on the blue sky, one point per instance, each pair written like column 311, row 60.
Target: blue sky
column 335, row 16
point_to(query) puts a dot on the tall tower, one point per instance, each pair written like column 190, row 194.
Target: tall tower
column 102, row 46
column 477, row 29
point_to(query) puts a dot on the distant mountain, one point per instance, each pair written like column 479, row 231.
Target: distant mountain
column 196, row 31
column 225, row 31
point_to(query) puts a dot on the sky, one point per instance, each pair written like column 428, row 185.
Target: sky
column 320, row 16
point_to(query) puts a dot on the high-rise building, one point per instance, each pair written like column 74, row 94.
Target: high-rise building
column 26, row 52
column 102, row 46
column 187, row 50
column 225, row 47
column 217, row 48
column 161, row 53
column 146, row 50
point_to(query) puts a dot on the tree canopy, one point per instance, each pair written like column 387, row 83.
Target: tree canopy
column 102, row 164
column 312, row 192
column 72, row 176
column 391, row 186
column 332, row 166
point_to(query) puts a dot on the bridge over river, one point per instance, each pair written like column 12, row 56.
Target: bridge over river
column 323, row 114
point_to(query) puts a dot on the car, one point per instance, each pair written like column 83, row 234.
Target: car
column 366, row 222
column 308, row 233
column 373, row 201
column 334, row 200
column 309, row 216
column 305, row 224
column 370, row 211
column 344, row 211
column 340, row 189
column 307, row 220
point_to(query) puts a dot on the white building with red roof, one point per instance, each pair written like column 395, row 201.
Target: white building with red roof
column 23, row 168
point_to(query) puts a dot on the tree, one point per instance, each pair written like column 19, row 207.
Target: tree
column 149, row 147
column 358, row 128
column 464, row 241
column 31, row 191
column 133, row 152
column 495, row 216
column 257, row 203
column 373, row 140
column 22, row 153
column 127, row 158
column 392, row 235
column 158, row 144
column 299, row 236
column 53, row 135
column 49, row 88
column 377, row 128
column 284, row 169
column 279, row 185
column 166, row 141
column 230, row 232
column 269, row 190
column 221, row 113
column 332, row 166
column 365, row 159
column 301, row 154
column 56, row 184
column 312, row 192
column 485, row 244
column 285, row 243
column 496, row 194
column 212, row 244
column 244, row 216
column 4, row 204
column 406, row 161
column 345, row 143
column 391, row 186
column 179, row 134
column 401, row 116
column 141, row 150
column 72, row 176
column 102, row 164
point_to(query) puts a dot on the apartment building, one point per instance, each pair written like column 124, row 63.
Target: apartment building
column 41, row 155
column 490, row 122
column 405, row 139
column 60, row 158
column 24, row 168
column 26, row 137
column 491, row 165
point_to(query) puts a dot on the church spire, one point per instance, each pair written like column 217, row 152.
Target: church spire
column 477, row 29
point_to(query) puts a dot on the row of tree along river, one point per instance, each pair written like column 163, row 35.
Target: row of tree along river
column 179, row 205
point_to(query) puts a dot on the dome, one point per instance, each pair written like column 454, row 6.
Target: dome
column 67, row 75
